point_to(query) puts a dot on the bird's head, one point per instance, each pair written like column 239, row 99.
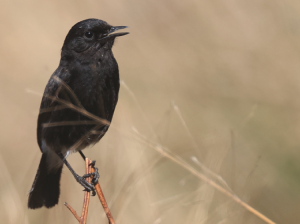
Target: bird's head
column 89, row 36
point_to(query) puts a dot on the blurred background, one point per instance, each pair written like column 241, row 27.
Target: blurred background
column 214, row 83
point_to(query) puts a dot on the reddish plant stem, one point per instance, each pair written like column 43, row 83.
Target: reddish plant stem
column 103, row 202
column 86, row 200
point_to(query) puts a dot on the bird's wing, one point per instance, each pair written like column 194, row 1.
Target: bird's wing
column 57, row 96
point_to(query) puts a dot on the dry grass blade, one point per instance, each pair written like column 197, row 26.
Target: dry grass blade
column 56, row 78
column 64, row 123
column 66, row 104
column 79, row 110
column 176, row 108
column 139, row 106
column 164, row 153
column 50, row 109
column 78, row 143
column 194, row 159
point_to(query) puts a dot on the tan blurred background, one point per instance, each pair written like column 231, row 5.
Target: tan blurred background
column 230, row 67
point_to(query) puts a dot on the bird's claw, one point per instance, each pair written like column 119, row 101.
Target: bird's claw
column 87, row 186
column 95, row 174
column 93, row 191
column 92, row 164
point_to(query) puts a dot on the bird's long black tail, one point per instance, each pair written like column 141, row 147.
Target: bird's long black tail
column 45, row 188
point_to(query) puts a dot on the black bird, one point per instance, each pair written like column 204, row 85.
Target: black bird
column 77, row 106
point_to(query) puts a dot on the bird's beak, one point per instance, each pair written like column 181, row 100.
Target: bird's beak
column 113, row 29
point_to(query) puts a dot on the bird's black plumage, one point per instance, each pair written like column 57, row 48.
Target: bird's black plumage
column 87, row 78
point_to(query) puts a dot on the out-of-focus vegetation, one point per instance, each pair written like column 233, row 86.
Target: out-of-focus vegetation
column 232, row 69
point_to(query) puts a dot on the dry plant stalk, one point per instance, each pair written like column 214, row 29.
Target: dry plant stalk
column 103, row 202
column 82, row 219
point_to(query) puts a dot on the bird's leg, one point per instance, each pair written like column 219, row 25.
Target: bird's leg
column 95, row 174
column 82, row 155
column 87, row 186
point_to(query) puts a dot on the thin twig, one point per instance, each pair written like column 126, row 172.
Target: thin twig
column 103, row 202
column 73, row 211
column 82, row 219
column 86, row 193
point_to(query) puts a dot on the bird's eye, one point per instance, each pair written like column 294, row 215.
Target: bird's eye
column 88, row 34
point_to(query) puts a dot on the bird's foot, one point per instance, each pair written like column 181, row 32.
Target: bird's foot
column 95, row 174
column 87, row 186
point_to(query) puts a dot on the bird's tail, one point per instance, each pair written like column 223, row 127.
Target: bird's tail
column 45, row 188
